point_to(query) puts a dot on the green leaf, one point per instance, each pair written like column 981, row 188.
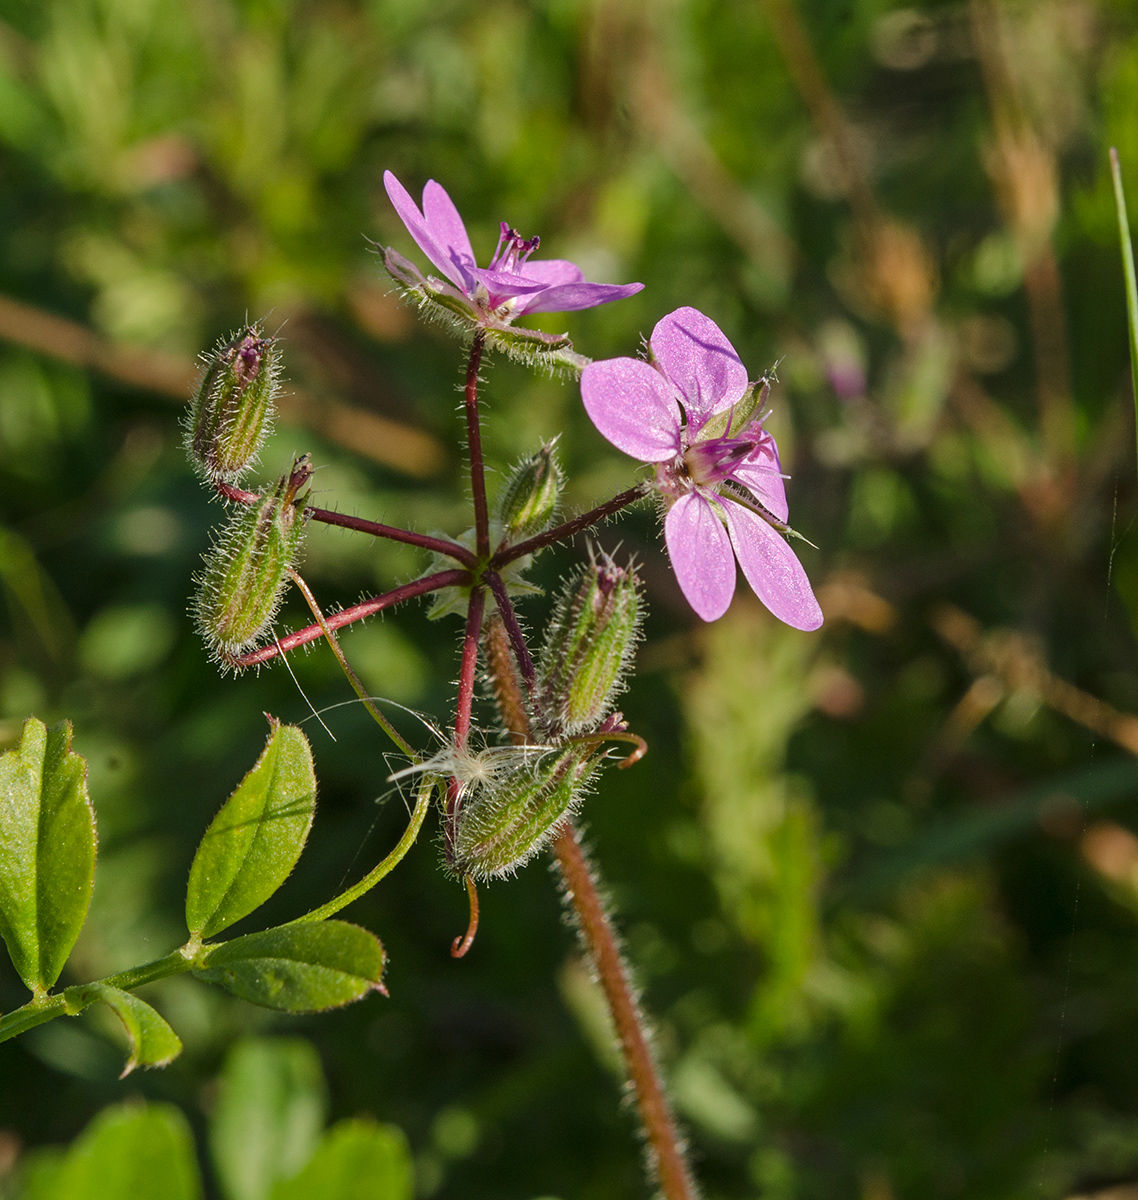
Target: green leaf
column 47, row 851
column 152, row 1042
column 254, row 842
column 269, row 1115
column 131, row 1152
column 299, row 968
column 358, row 1160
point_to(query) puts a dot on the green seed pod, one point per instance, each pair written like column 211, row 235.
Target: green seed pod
column 529, row 500
column 589, row 647
column 502, row 824
column 246, row 569
column 233, row 406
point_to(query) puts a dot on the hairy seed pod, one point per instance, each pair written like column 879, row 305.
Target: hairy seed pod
column 246, row 569
column 232, row 410
column 588, row 649
column 529, row 500
column 503, row 824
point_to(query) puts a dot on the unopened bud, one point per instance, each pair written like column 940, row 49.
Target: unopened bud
column 246, row 570
column 503, row 824
column 529, row 499
column 233, row 407
column 591, row 640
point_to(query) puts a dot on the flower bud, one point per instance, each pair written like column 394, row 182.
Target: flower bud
column 503, row 824
column 232, row 409
column 589, row 647
column 529, row 499
column 246, row 570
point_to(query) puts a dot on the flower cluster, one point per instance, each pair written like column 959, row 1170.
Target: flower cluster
column 689, row 410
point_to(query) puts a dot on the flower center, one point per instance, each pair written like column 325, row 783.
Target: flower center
column 709, row 463
column 513, row 250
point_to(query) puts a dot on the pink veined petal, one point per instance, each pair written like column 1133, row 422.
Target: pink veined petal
column 504, row 283
column 571, row 297
column 701, row 555
column 772, row 569
column 761, row 473
column 700, row 361
column 633, row 405
column 553, row 272
column 436, row 251
column 769, row 489
column 445, row 224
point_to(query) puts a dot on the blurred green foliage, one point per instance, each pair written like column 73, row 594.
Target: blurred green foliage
column 880, row 884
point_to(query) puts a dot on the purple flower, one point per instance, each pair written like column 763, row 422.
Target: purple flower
column 512, row 284
column 692, row 412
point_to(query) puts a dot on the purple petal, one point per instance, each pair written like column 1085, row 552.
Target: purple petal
column 701, row 555
column 571, row 297
column 761, row 473
column 633, row 405
column 504, row 284
column 772, row 569
column 553, row 272
column 700, row 361
column 445, row 224
column 439, row 253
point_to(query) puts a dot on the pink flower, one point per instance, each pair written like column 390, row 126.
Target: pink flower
column 512, row 284
column 691, row 412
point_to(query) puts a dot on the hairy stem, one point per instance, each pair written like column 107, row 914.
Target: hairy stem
column 333, row 641
column 474, row 441
column 665, row 1148
column 422, row 803
column 73, row 1000
column 438, row 545
column 357, row 612
column 513, row 630
column 667, row 1159
column 466, row 671
column 570, row 528
column 327, row 516
column 463, row 706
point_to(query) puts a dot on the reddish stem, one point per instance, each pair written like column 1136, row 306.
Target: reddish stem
column 461, row 945
column 367, row 608
column 465, row 701
column 228, row 492
column 513, row 629
column 569, row 528
column 664, row 1146
column 463, row 706
column 327, row 516
column 474, row 440
column 439, row 545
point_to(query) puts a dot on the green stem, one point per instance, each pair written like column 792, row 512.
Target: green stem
column 73, row 1000
column 1127, row 271
column 346, row 667
column 422, row 803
